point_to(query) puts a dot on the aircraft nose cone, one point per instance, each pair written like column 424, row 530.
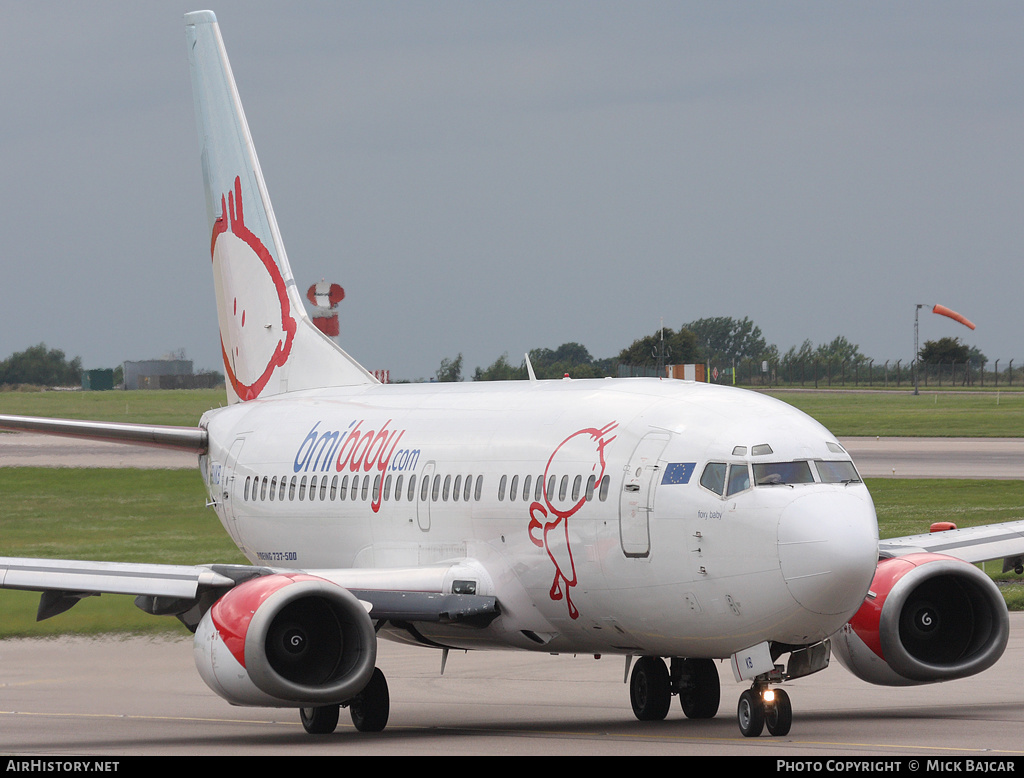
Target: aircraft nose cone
column 828, row 550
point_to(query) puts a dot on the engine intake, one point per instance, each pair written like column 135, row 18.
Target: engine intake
column 287, row 640
column 927, row 618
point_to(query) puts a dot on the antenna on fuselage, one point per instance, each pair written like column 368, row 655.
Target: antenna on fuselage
column 529, row 368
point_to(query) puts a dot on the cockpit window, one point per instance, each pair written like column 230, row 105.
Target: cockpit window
column 837, row 472
column 772, row 473
column 739, row 479
column 713, row 477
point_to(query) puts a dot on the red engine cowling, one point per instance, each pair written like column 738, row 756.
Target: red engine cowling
column 927, row 618
column 287, row 640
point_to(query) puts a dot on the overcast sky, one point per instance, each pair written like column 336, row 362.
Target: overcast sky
column 490, row 177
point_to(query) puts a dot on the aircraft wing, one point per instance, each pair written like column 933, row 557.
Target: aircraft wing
column 160, row 435
column 188, row 591
column 971, row 544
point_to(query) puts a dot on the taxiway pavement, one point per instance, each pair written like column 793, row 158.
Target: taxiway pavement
column 138, row 696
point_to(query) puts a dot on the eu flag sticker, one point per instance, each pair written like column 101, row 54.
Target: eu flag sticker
column 678, row 472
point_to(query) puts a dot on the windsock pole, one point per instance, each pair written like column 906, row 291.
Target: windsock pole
column 942, row 310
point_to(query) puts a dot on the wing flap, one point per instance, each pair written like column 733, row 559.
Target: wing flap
column 971, row 544
column 69, row 575
column 402, row 595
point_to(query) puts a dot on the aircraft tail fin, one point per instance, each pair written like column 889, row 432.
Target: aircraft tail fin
column 269, row 343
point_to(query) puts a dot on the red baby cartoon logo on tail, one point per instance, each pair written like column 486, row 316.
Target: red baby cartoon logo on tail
column 549, row 521
column 252, row 301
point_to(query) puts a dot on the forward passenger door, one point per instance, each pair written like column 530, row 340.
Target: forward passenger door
column 636, row 501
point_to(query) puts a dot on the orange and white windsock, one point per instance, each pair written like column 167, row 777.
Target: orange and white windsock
column 942, row 310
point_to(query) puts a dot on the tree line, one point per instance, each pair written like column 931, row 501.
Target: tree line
column 721, row 341
column 40, row 366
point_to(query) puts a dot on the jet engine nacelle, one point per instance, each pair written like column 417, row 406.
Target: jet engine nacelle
column 927, row 618
column 286, row 640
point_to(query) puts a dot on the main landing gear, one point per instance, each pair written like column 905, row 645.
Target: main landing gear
column 695, row 681
column 369, row 710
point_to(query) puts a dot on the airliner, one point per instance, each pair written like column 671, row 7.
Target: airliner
column 682, row 526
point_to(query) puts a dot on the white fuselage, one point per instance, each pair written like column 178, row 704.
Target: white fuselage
column 621, row 550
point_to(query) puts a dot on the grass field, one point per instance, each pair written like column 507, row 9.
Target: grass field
column 160, row 516
column 111, row 515
column 182, row 407
column 930, row 414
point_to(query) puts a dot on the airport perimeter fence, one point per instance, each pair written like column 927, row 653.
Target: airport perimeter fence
column 818, row 374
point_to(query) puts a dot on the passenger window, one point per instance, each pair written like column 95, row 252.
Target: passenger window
column 468, row 489
column 513, row 489
column 334, row 488
column 273, row 487
column 457, row 488
column 376, row 489
column 577, row 484
column 478, row 492
column 437, row 488
column 447, row 488
column 355, row 488
column 590, row 488
column 281, row 489
column 291, row 489
column 263, row 489
column 501, row 488
column 424, row 489
column 526, row 487
column 387, row 488
column 412, row 488
column 302, row 488
column 398, row 488
column 739, row 479
column 603, row 494
column 713, row 477
column 343, row 492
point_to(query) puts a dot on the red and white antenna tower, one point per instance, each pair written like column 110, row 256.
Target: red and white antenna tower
column 325, row 298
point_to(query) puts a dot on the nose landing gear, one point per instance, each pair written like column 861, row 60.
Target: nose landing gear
column 761, row 707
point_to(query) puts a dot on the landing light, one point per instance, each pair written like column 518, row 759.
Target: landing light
column 768, row 696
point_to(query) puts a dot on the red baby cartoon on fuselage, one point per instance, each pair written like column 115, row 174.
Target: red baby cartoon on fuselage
column 256, row 324
column 586, row 445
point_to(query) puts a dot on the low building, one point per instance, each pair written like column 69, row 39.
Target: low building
column 167, row 374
